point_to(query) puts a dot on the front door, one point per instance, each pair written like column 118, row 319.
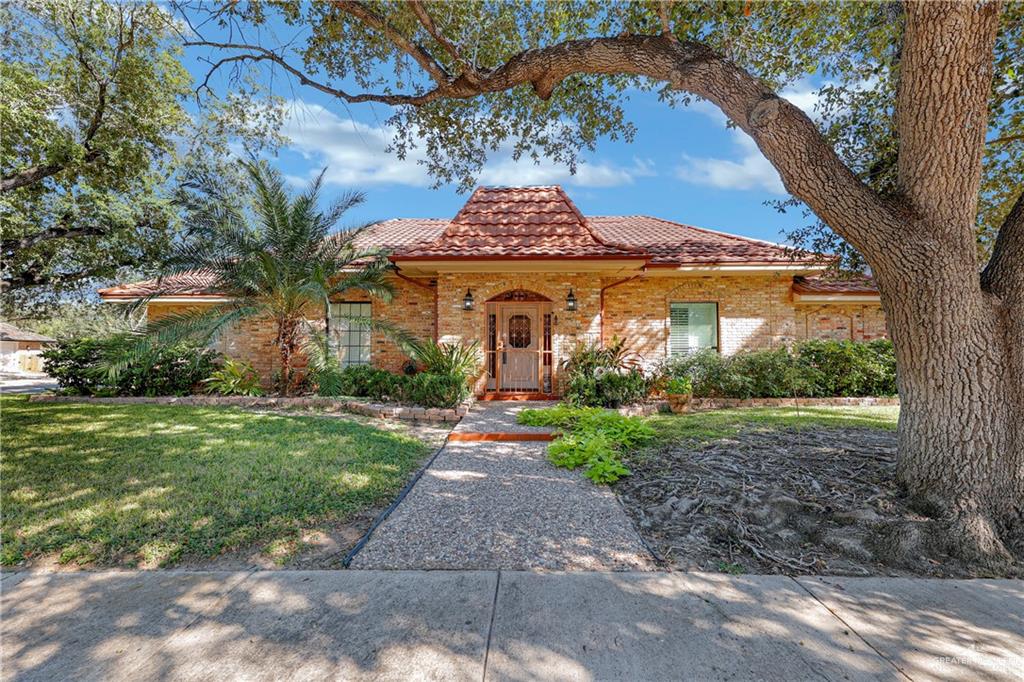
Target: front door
column 519, row 345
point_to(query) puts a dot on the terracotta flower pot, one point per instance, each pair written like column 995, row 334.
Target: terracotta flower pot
column 678, row 402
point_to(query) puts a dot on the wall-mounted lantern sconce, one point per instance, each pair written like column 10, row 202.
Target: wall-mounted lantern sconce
column 570, row 301
column 467, row 300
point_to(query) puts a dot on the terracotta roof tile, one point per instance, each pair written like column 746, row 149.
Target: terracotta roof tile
column 854, row 285
column 519, row 222
column 669, row 243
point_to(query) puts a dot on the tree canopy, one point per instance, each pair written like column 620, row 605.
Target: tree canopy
column 426, row 60
column 97, row 140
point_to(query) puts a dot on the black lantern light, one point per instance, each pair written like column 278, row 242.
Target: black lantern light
column 570, row 301
column 467, row 301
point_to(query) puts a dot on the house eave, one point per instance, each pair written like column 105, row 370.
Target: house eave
column 836, row 299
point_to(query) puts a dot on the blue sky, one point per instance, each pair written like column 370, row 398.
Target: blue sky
column 684, row 163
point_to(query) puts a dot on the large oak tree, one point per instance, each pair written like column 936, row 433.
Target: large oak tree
column 551, row 78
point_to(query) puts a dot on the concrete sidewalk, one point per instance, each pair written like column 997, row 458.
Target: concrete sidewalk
column 475, row 625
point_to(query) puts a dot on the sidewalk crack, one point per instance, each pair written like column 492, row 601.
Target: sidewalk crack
column 852, row 629
column 490, row 627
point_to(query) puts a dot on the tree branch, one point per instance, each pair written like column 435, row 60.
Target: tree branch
column 809, row 167
column 417, row 52
column 34, row 174
column 1004, row 273
column 470, row 70
column 62, row 230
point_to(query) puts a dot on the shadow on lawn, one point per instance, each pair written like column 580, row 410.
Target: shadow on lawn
column 372, row 624
column 145, row 485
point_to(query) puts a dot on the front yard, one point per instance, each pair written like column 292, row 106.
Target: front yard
column 149, row 485
column 792, row 491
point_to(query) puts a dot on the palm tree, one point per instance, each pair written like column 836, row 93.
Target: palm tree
column 276, row 259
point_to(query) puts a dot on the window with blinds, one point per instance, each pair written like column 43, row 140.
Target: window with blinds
column 351, row 341
column 694, row 327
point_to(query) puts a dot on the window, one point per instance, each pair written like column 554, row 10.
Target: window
column 694, row 327
column 351, row 341
column 520, row 331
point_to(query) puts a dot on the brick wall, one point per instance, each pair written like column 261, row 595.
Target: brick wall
column 754, row 312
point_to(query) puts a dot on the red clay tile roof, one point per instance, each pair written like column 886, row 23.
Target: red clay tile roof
column 519, row 222
column 532, row 222
column 669, row 243
column 185, row 284
column 829, row 285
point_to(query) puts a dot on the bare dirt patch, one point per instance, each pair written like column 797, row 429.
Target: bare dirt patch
column 812, row 501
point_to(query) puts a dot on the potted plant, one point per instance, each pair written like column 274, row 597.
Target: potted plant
column 678, row 390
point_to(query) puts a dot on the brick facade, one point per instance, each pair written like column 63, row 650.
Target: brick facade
column 754, row 312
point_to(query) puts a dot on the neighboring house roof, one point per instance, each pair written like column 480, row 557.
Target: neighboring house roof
column 856, row 285
column 185, row 284
column 8, row 332
column 518, row 222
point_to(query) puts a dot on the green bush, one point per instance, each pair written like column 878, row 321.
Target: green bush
column 81, row 367
column 452, row 359
column 234, row 378
column 809, row 369
column 590, row 437
column 427, row 389
column 608, row 376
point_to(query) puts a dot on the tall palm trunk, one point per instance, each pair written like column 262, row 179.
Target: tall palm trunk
column 287, row 343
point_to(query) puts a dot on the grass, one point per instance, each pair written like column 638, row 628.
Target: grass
column 707, row 426
column 150, row 485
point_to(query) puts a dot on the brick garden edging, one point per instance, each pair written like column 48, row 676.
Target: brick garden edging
column 703, row 404
column 317, row 403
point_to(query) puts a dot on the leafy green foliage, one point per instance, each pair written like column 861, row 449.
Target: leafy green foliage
column 79, row 365
column 603, row 376
column 98, row 142
column 427, row 389
column 234, row 377
column 452, row 359
column 590, row 437
column 278, row 259
column 679, row 385
column 809, row 369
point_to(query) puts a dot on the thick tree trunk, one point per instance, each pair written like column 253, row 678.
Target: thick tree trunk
column 961, row 427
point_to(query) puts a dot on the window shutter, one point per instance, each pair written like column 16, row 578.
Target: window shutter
column 679, row 334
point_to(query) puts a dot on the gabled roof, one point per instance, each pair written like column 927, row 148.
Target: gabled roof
column 518, row 222
column 8, row 332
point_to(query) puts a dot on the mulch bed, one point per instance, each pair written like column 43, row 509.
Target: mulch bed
column 821, row 501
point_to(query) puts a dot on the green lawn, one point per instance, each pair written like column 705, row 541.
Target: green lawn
column 710, row 425
column 150, row 485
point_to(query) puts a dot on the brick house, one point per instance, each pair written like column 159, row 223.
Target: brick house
column 524, row 273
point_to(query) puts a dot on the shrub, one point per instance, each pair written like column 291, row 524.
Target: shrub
column 809, row 369
column 74, row 363
column 453, row 359
column 591, row 437
column 234, row 378
column 679, row 385
column 81, row 366
column 609, row 376
column 433, row 390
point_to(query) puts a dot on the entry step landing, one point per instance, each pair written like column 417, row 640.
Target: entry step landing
column 496, row 421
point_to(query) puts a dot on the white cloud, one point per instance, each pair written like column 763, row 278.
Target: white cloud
column 355, row 155
column 506, row 171
column 751, row 171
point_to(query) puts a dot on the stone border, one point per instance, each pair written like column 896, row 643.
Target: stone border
column 703, row 404
column 369, row 409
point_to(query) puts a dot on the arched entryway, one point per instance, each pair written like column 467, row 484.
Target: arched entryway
column 518, row 350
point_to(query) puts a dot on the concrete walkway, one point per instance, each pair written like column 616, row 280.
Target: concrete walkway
column 489, row 505
column 473, row 625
